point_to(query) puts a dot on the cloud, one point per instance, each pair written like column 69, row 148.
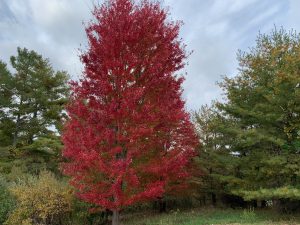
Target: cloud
column 214, row 29
column 52, row 28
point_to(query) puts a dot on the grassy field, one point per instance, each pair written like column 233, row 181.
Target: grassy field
column 212, row 217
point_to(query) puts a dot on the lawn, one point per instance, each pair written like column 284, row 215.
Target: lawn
column 212, row 217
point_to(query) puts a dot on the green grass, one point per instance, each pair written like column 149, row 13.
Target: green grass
column 212, row 217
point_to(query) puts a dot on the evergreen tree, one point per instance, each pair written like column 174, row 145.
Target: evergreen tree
column 32, row 103
column 260, row 121
column 6, row 124
column 215, row 160
column 39, row 96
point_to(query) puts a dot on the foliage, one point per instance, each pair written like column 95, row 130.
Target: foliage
column 213, row 159
column 6, row 82
column 7, row 202
column 134, row 140
column 257, row 128
column 41, row 200
column 37, row 93
column 287, row 192
column 81, row 214
column 255, row 133
column 31, row 113
column 44, row 152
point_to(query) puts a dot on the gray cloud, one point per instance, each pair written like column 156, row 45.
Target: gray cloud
column 214, row 29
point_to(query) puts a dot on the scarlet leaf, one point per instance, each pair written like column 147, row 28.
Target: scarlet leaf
column 128, row 136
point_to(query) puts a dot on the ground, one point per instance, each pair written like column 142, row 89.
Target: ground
column 213, row 217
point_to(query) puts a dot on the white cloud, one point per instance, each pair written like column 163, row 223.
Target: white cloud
column 214, row 29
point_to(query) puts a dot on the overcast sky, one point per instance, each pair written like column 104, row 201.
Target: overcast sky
column 214, row 29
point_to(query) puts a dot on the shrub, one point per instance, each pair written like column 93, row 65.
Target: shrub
column 41, row 200
column 81, row 214
column 6, row 201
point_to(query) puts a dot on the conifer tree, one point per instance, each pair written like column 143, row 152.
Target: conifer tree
column 6, row 124
column 262, row 118
column 31, row 108
column 39, row 95
column 213, row 158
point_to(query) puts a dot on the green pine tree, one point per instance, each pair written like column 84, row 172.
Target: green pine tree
column 215, row 161
column 6, row 124
column 33, row 110
column 262, row 115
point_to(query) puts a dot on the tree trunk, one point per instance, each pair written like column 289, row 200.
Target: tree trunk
column 213, row 199
column 116, row 217
column 162, row 204
column 259, row 204
column 213, row 195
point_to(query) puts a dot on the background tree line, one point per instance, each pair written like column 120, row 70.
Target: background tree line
column 250, row 142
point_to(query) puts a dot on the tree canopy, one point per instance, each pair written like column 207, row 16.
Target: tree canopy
column 134, row 139
column 258, row 126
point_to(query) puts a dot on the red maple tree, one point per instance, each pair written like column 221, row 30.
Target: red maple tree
column 129, row 138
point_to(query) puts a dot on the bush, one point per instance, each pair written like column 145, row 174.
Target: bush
column 81, row 214
column 41, row 200
column 7, row 202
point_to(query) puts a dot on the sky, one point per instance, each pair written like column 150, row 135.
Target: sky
column 213, row 29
